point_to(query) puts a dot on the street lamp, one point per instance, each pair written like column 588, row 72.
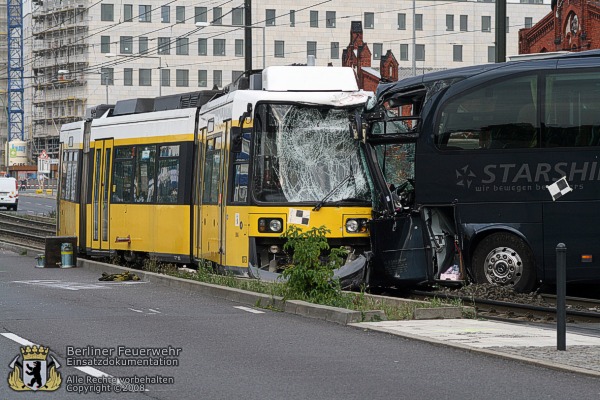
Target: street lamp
column 103, row 76
column 206, row 24
column 143, row 56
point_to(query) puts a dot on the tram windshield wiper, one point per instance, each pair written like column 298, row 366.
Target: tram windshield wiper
column 332, row 191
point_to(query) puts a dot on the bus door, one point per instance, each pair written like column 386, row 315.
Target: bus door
column 101, row 195
column 223, row 191
column 210, row 210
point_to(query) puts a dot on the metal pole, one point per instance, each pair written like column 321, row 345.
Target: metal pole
column 105, row 75
column 264, row 46
column 414, row 45
column 248, row 34
column 160, row 76
column 500, row 31
column 561, row 289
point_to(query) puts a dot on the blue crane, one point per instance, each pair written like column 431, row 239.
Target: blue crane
column 15, row 70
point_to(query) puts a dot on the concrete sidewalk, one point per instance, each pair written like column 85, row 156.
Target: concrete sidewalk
column 533, row 344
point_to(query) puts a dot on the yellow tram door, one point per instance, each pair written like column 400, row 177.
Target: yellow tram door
column 101, row 195
column 210, row 209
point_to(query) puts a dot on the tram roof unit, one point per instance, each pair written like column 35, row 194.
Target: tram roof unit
column 333, row 86
column 456, row 74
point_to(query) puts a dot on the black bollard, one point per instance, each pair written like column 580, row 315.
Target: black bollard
column 561, row 291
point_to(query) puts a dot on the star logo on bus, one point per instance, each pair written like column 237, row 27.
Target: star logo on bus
column 464, row 176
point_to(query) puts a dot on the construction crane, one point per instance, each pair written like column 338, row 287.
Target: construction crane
column 15, row 70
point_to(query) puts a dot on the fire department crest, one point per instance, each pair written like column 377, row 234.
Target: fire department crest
column 35, row 372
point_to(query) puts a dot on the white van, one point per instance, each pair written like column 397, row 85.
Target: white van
column 9, row 193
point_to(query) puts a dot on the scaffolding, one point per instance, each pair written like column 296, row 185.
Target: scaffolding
column 60, row 57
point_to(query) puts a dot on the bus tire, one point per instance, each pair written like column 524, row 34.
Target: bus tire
column 506, row 260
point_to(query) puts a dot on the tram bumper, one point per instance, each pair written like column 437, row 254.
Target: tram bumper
column 351, row 275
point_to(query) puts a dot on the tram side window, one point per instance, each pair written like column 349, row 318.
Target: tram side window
column 572, row 110
column 123, row 175
column 69, row 176
column 168, row 174
column 144, row 174
column 497, row 115
column 240, row 171
column 210, row 182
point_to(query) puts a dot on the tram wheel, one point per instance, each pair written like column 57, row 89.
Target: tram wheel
column 506, row 260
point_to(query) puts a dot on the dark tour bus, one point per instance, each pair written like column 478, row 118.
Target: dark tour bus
column 467, row 169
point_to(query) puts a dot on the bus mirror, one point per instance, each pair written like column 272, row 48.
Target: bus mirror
column 236, row 139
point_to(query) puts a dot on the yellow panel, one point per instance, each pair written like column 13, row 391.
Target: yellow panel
column 236, row 242
column 69, row 219
column 188, row 137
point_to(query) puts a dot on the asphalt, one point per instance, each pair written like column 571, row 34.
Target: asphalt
column 528, row 343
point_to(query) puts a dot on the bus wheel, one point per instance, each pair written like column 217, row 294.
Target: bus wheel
column 506, row 260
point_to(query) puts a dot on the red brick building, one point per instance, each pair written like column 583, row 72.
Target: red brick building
column 572, row 25
column 358, row 56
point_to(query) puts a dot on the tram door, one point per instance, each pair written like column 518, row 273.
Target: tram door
column 101, row 195
column 210, row 209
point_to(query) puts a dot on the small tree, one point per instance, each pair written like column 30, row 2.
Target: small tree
column 309, row 276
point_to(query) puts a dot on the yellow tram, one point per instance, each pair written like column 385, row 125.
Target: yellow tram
column 219, row 176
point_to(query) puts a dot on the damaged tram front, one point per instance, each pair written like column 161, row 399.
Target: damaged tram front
column 465, row 166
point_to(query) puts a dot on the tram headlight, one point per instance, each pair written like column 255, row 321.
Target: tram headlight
column 356, row 225
column 270, row 225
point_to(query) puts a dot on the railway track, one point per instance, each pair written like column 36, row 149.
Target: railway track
column 28, row 231
column 578, row 310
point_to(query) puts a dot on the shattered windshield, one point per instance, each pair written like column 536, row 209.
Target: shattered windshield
column 303, row 152
column 397, row 163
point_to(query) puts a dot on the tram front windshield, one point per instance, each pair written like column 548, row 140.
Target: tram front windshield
column 304, row 153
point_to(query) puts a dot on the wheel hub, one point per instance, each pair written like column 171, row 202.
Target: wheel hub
column 503, row 266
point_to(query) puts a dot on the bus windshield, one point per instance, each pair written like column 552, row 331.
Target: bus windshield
column 303, row 152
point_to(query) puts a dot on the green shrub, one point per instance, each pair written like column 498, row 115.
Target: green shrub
column 309, row 276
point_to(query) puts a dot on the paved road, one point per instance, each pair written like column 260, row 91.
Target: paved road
column 227, row 352
column 30, row 203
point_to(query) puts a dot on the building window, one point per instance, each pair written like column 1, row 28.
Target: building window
column 145, row 77
column 239, row 47
column 403, row 52
column 182, row 78
column 180, row 14
column 235, row 75
column 165, row 77
column 311, row 49
column 107, row 12
column 464, row 23
column 330, row 19
column 218, row 47
column 279, row 48
column 314, row 19
column 164, row 45
column 420, row 52
column 202, row 47
column 165, row 14
column 377, row 49
column 418, row 22
column 145, row 13
column 182, row 47
column 449, row 22
column 457, row 53
column 126, row 44
column 104, row 44
column 402, row 22
column 369, row 20
column 269, row 17
column 128, row 77
column 486, row 23
column 143, row 44
column 491, row 54
column 237, row 16
column 335, row 50
column 202, row 78
column 107, row 76
column 200, row 14
column 217, row 78
column 128, row 12
column 528, row 22
column 217, row 16
column 292, row 18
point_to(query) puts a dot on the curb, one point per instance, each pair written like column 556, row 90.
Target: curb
column 338, row 315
